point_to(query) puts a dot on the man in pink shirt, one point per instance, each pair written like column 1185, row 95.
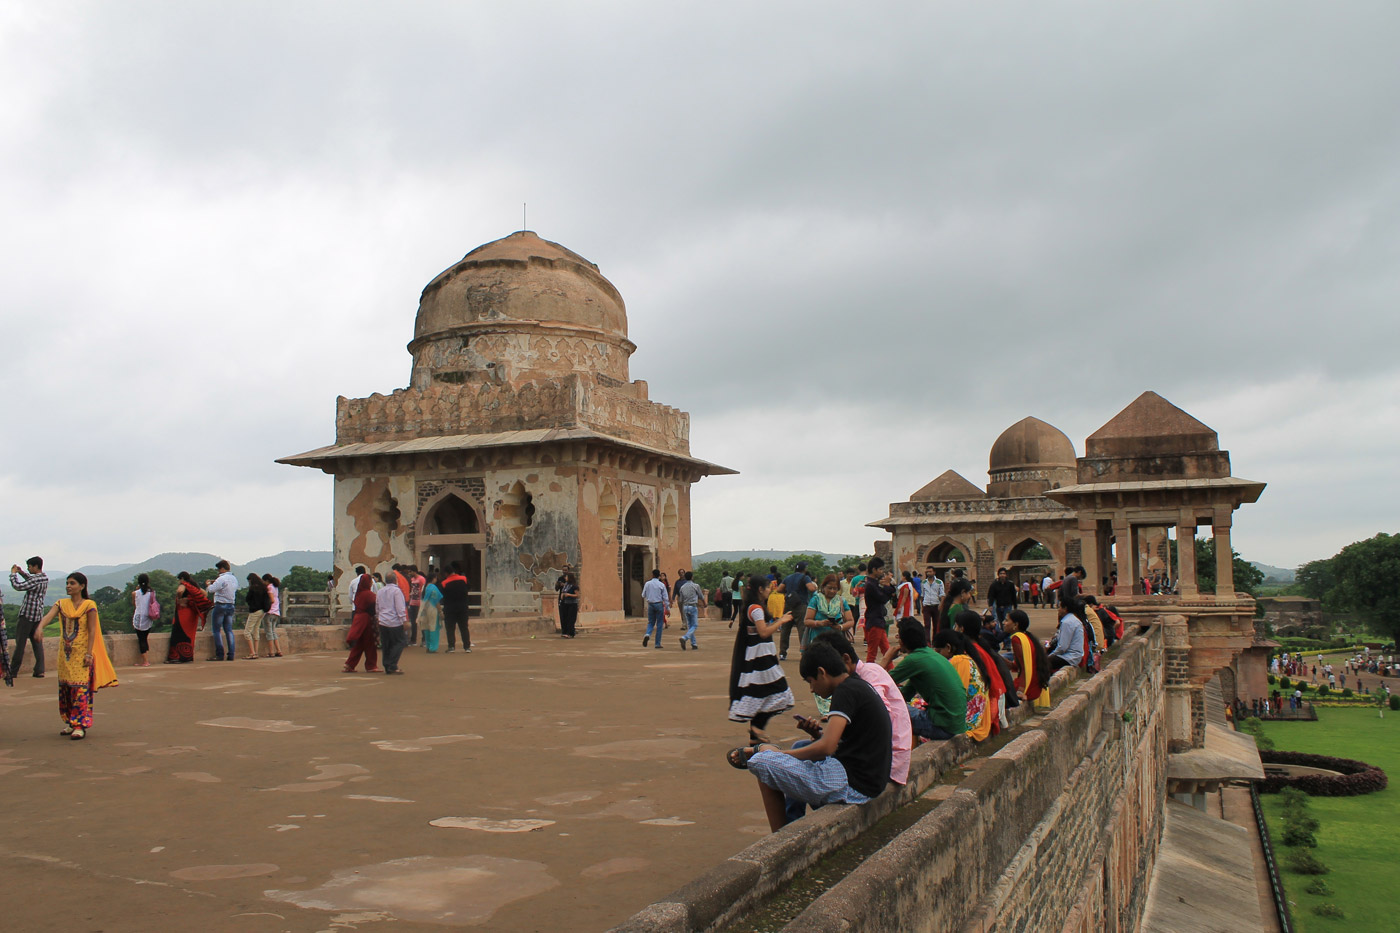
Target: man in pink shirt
column 901, row 730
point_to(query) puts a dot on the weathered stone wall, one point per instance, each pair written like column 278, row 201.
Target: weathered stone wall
column 478, row 407
column 1056, row 831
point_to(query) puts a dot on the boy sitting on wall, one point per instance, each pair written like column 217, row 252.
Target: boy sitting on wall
column 849, row 763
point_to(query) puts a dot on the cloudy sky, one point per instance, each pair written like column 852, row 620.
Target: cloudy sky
column 856, row 243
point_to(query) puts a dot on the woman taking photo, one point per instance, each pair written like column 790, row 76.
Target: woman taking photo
column 191, row 603
column 827, row 612
column 568, row 606
column 258, row 603
column 141, row 615
column 274, row 615
column 757, row 688
column 83, row 667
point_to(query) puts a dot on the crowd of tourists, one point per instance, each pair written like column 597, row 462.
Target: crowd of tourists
column 391, row 611
column 950, row 670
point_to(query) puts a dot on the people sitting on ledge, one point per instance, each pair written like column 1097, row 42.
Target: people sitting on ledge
column 848, row 762
column 954, row 646
column 1067, row 650
column 926, row 674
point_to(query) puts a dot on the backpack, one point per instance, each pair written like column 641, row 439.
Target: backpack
column 153, row 608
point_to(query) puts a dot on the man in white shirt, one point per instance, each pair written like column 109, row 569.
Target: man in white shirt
column 223, row 591
column 655, row 595
column 933, row 597
column 391, row 610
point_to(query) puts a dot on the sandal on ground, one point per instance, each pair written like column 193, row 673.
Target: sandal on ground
column 760, row 737
column 250, row 657
column 277, row 655
column 347, row 670
column 67, row 731
column 78, row 734
column 739, row 757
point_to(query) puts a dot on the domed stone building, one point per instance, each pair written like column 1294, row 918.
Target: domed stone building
column 951, row 523
column 520, row 445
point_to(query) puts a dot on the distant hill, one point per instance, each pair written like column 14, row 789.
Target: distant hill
column 119, row 575
column 774, row 556
column 1275, row 574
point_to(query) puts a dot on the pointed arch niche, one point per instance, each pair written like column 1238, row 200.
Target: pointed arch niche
column 638, row 556
column 450, row 528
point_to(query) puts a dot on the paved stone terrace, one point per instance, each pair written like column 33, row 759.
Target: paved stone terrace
column 283, row 795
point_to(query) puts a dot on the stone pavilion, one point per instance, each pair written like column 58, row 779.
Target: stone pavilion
column 520, row 445
column 951, row 523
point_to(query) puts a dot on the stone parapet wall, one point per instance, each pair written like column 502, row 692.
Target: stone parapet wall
column 1056, row 831
column 483, row 407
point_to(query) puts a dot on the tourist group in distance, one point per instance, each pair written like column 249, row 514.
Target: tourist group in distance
column 950, row 670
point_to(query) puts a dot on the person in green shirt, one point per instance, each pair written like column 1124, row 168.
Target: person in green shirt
column 927, row 673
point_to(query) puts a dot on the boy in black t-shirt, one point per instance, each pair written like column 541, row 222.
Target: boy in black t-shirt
column 850, row 763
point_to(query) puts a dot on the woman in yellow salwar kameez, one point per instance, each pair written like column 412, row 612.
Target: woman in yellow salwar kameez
column 83, row 666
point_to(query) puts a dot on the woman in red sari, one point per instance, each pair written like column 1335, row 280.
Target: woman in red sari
column 363, row 637
column 190, row 606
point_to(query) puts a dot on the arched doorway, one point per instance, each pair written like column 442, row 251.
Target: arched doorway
column 1028, row 558
column 945, row 556
column 448, row 530
column 638, row 556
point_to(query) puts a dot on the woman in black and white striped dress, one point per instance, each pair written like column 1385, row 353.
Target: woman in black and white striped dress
column 757, row 688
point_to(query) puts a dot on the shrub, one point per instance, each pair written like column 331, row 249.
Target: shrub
column 1347, row 692
column 1323, row 690
column 1320, row 888
column 1329, row 910
column 1300, row 819
column 1303, row 862
column 1395, row 701
column 1286, row 682
column 1294, row 800
column 1298, row 836
column 1252, row 726
column 1272, row 680
column 1356, row 777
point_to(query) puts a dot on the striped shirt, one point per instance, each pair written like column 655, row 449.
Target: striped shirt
column 34, row 586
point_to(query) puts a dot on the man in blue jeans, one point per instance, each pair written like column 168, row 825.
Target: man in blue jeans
column 690, row 597
column 223, row 591
column 655, row 595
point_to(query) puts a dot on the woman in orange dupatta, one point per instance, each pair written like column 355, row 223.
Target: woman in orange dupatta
column 83, row 666
column 191, row 604
column 1029, row 661
column 364, row 629
column 970, row 624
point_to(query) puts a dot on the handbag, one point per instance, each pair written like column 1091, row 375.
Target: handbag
column 153, row 608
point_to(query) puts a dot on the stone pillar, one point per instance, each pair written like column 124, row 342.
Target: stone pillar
column 1136, row 533
column 1183, row 700
column 1186, row 552
column 1125, row 558
column 1224, row 556
column 1089, row 554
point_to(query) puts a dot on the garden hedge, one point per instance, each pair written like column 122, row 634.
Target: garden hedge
column 1356, row 777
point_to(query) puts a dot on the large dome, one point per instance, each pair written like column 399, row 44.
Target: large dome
column 525, row 304
column 1030, row 457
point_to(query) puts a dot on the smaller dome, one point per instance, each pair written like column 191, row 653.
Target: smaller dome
column 1031, row 444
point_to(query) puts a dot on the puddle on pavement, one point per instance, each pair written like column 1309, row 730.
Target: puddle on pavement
column 224, row 872
column 257, row 725
column 429, row 889
column 490, row 826
column 566, row 798
column 306, row 787
column 614, row 866
column 421, row 745
column 303, row 692
column 668, row 821
column 326, row 772
column 376, row 799
column 640, row 749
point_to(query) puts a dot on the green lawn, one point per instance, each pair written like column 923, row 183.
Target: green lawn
column 1360, row 836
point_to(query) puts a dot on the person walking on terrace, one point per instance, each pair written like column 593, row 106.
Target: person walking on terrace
column 362, row 638
column 34, row 584
column 690, row 597
column 655, row 596
column 758, row 690
column 391, row 610
column 258, row 602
